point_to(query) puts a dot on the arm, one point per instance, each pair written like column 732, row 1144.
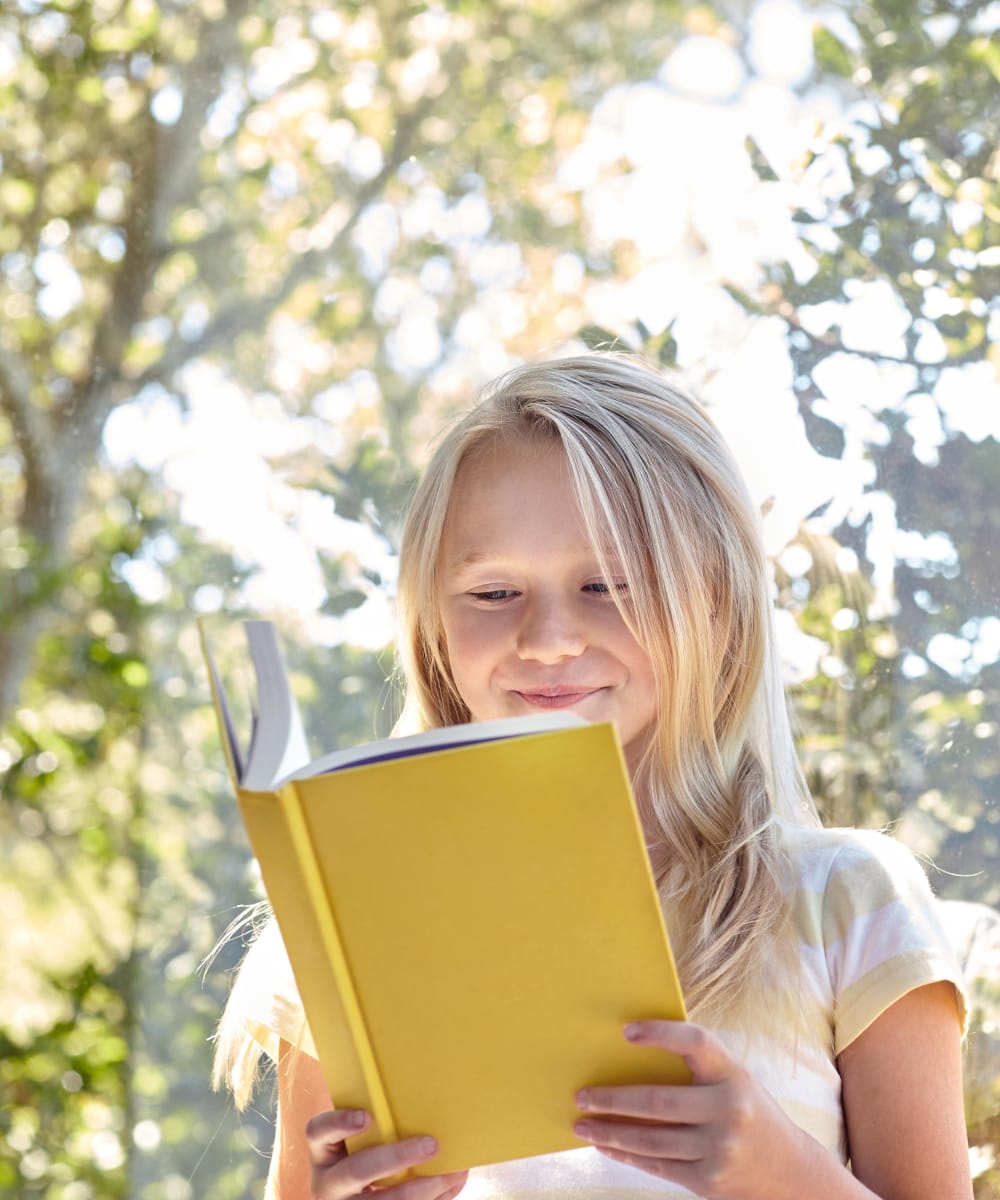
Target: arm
column 902, row 1081
column 310, row 1159
column 725, row 1138
column 302, row 1094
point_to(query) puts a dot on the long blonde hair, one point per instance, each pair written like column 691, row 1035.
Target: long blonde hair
column 662, row 495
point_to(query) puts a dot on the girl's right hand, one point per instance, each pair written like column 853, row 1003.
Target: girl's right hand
column 337, row 1175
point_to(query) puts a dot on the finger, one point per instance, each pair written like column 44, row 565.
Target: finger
column 457, row 1181
column 364, row 1167
column 709, row 1060
column 679, row 1143
column 630, row 1160
column 683, row 1173
column 650, row 1102
column 327, row 1132
column 427, row 1187
column 441, row 1187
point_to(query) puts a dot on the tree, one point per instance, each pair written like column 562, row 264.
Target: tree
column 350, row 217
column 261, row 185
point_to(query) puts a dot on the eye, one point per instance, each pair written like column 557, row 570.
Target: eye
column 602, row 587
column 494, row 595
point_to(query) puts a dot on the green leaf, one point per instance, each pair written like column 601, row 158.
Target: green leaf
column 90, row 91
column 742, row 298
column 831, row 54
column 17, row 196
column 596, row 337
column 135, row 674
column 987, row 51
column 762, row 168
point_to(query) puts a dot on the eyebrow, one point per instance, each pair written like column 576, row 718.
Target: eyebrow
column 470, row 558
column 475, row 558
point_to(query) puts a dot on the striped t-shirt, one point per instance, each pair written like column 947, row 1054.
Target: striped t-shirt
column 869, row 932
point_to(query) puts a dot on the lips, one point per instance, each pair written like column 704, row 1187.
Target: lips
column 556, row 697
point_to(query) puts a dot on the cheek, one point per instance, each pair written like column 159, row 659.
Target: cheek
column 471, row 674
column 468, row 649
column 642, row 671
column 628, row 649
column 478, row 635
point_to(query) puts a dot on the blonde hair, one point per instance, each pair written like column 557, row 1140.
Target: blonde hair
column 662, row 496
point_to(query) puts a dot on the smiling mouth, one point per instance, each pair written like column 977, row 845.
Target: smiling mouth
column 557, row 697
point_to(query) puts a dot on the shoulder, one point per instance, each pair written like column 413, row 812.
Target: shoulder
column 855, row 885
column 874, row 865
column 840, row 878
column 863, row 904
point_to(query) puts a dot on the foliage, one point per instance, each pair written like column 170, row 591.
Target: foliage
column 900, row 723
column 351, row 216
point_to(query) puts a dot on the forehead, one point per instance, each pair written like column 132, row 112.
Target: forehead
column 512, row 493
column 504, row 469
column 504, row 455
column 515, row 505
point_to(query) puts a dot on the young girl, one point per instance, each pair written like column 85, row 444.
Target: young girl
column 583, row 540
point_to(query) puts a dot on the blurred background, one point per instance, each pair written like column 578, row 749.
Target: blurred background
column 252, row 255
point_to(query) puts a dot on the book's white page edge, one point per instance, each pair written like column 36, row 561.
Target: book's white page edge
column 449, row 735
column 278, row 748
column 228, row 725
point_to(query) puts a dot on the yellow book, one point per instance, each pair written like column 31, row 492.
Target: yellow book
column 470, row 917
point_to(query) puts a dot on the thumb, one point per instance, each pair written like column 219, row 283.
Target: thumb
column 327, row 1132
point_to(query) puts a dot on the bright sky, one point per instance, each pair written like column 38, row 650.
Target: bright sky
column 690, row 184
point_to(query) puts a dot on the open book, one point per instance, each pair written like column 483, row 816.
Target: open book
column 469, row 914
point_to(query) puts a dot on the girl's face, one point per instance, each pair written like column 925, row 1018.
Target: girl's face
column 530, row 622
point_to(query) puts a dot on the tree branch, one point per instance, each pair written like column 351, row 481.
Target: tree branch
column 32, row 428
column 834, row 345
column 180, row 144
column 164, row 159
column 240, row 315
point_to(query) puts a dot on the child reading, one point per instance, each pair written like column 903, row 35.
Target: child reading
column 583, row 540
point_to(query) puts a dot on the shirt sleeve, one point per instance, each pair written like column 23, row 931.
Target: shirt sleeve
column 883, row 933
column 266, row 996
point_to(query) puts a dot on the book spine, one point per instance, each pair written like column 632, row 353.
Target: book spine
column 334, row 948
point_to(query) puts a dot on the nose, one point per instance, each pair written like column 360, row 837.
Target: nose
column 550, row 631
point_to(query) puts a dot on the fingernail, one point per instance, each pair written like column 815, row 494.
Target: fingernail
column 583, row 1100
column 583, row 1129
column 633, row 1032
column 428, row 1146
column 357, row 1117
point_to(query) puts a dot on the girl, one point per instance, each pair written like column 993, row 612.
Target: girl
column 583, row 540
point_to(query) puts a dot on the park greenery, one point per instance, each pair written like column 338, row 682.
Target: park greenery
column 329, row 223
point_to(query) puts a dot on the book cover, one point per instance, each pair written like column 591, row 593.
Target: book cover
column 470, row 925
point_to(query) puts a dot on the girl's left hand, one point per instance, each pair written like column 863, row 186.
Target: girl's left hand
column 722, row 1136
